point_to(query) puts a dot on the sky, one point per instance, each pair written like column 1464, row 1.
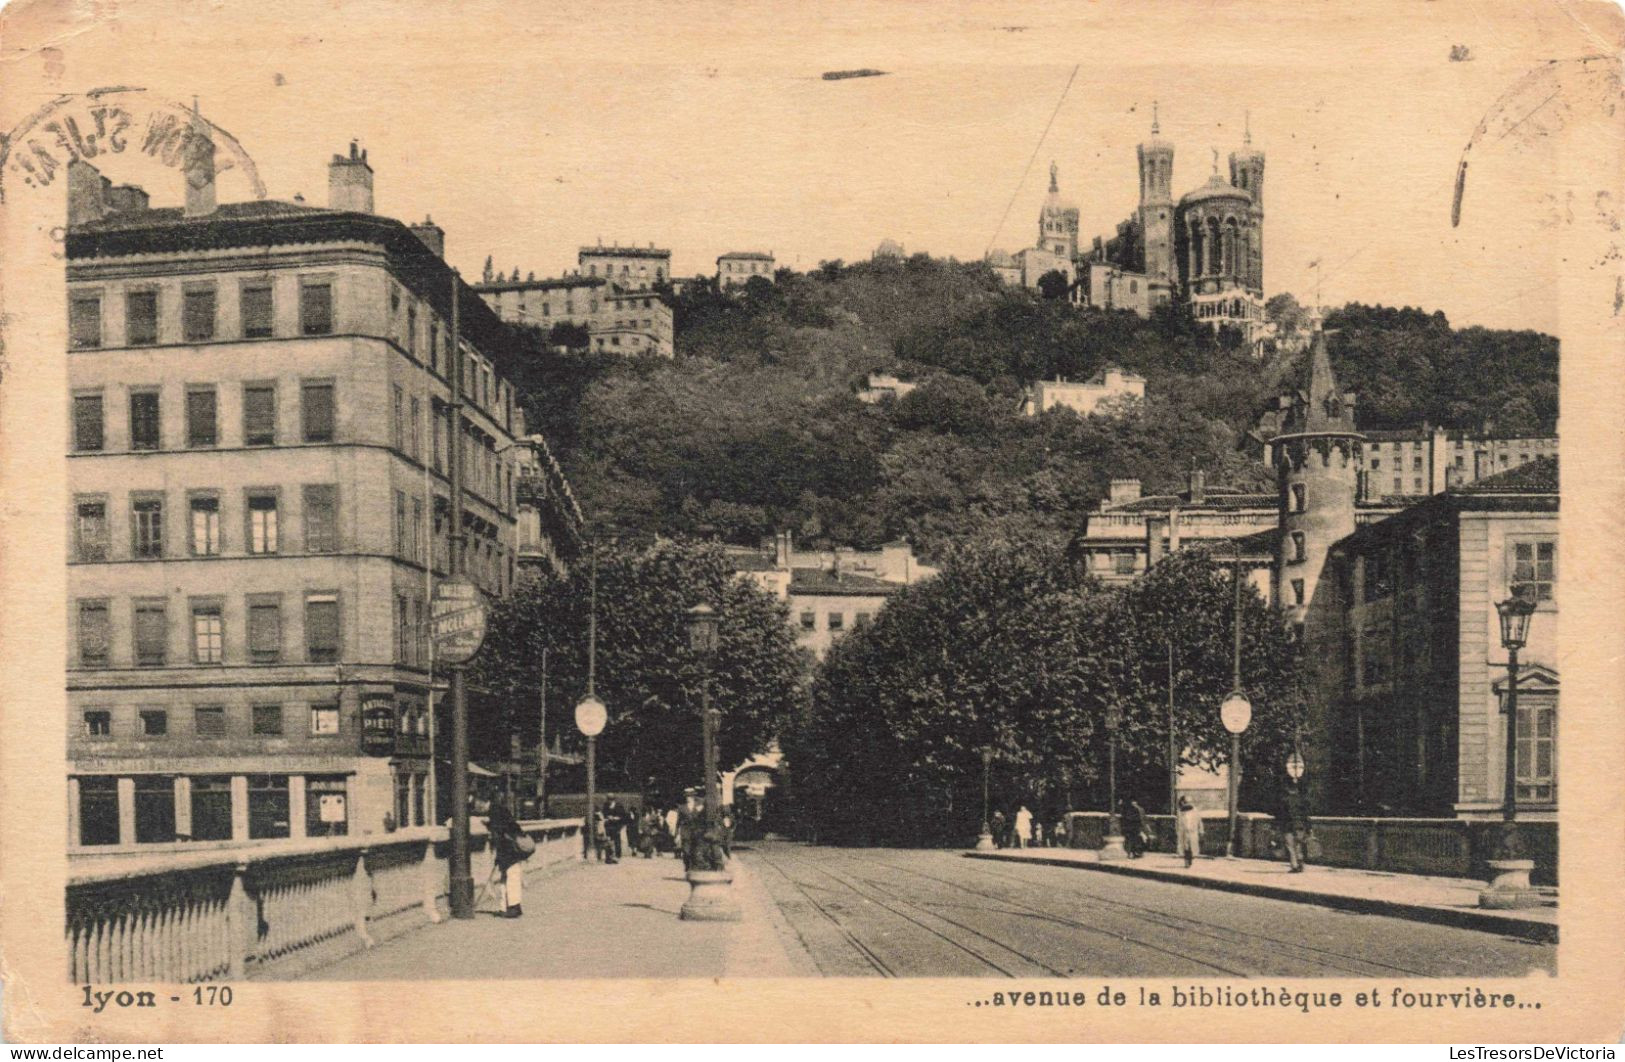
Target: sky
column 706, row 128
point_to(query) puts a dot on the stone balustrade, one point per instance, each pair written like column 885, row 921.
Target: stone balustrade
column 229, row 914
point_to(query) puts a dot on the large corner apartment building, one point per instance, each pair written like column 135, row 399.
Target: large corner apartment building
column 259, row 467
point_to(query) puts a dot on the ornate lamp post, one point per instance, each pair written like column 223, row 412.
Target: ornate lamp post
column 1113, row 848
column 710, row 897
column 1509, row 882
column 1235, row 712
column 984, row 843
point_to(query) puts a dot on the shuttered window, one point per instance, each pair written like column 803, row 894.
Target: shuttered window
column 257, row 311
column 315, row 308
column 316, row 408
column 87, row 423
column 322, row 628
column 199, row 315
column 85, row 322
column 151, row 634
column 145, row 427
column 321, row 518
column 93, row 633
column 141, row 318
column 259, row 415
column 264, row 632
column 201, row 429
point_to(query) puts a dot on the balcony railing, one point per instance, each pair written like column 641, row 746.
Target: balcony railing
column 271, row 911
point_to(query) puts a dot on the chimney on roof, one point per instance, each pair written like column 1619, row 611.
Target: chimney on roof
column 432, row 235
column 199, row 167
column 349, row 182
column 88, row 193
column 128, row 197
column 1124, row 490
column 1198, row 487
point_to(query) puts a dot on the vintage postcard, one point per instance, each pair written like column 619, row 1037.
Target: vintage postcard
column 811, row 522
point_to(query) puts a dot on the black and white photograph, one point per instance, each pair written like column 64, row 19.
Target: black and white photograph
column 1012, row 499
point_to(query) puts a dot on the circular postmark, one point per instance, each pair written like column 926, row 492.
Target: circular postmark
column 107, row 123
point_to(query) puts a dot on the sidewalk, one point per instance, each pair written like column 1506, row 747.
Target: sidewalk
column 1445, row 901
column 594, row 921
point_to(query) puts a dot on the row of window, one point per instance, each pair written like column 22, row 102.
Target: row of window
column 152, row 634
column 626, row 270
column 145, row 426
column 200, row 323
column 166, row 808
column 1530, row 563
column 216, row 721
column 262, row 525
column 200, row 313
column 833, row 621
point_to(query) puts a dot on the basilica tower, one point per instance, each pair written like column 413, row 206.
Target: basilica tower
column 1157, row 211
column 1247, row 173
column 1058, row 221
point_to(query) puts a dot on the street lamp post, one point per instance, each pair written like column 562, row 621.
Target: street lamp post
column 591, row 714
column 1509, row 882
column 984, row 842
column 710, row 897
column 1113, row 848
column 460, row 874
column 1236, row 712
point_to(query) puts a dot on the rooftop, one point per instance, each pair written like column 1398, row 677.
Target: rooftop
column 757, row 256
column 1535, row 477
column 544, row 284
column 614, row 250
column 269, row 222
column 824, row 581
column 1218, row 498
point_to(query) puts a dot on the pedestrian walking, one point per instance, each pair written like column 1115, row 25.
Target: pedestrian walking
column 672, row 836
column 999, row 837
column 1134, row 829
column 1190, row 830
column 1293, row 819
column 512, row 848
column 614, row 824
column 1024, row 826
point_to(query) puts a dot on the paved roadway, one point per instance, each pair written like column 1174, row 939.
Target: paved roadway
column 921, row 913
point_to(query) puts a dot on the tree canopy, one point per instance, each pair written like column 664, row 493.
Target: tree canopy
column 645, row 671
column 1014, row 648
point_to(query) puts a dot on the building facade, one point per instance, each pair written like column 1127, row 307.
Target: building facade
column 830, row 592
column 548, row 520
column 736, row 268
column 882, row 387
column 633, row 268
column 259, row 460
column 1415, row 678
column 618, row 319
column 1113, row 386
column 1130, row 532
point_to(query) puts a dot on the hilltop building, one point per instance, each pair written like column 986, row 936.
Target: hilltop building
column 830, row 592
column 1108, row 385
column 1205, row 252
column 633, row 268
column 736, row 268
column 259, row 508
column 619, row 318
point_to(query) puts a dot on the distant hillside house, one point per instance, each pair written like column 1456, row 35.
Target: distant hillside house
column 830, row 592
column 631, row 267
column 1083, row 397
column 619, row 319
column 883, row 386
column 735, row 268
column 888, row 249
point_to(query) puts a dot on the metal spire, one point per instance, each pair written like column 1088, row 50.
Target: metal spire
column 1247, row 128
column 1155, row 126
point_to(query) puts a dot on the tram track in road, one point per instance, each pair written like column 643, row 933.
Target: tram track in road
column 1308, row 953
column 896, row 906
column 887, row 898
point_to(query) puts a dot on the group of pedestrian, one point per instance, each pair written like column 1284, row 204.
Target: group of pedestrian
column 1023, row 829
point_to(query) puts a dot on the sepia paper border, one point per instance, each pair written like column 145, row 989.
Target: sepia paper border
column 1583, row 1003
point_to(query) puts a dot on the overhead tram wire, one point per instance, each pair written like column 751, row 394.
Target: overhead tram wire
column 1036, row 149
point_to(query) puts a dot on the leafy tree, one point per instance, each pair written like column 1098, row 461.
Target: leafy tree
column 1053, row 285
column 645, row 672
column 1013, row 648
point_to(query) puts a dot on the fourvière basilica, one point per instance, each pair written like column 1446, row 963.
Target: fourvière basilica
column 1206, row 249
